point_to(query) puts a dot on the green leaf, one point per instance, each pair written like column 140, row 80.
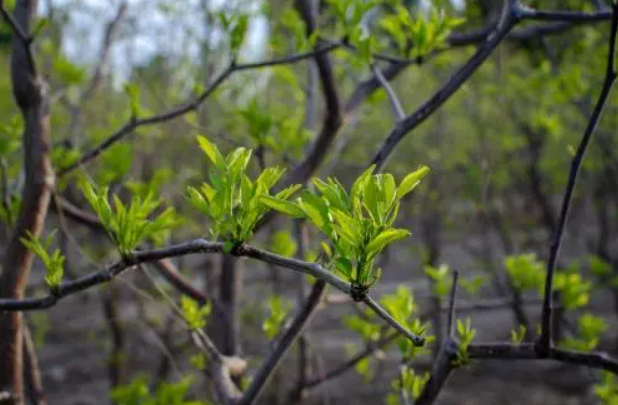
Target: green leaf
column 194, row 315
column 211, row 151
column 54, row 263
column 282, row 206
column 411, row 181
column 237, row 35
column 283, row 244
column 385, row 238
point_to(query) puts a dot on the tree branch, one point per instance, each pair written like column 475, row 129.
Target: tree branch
column 546, row 340
column 30, row 93
column 186, row 107
column 192, row 247
column 395, row 104
column 507, row 22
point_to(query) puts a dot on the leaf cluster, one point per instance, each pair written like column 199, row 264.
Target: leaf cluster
column 358, row 224
column 410, row 383
column 194, row 314
column 232, row 200
column 418, row 35
column 525, row 271
column 54, row 263
column 465, row 334
column 589, row 331
column 132, row 224
column 279, row 309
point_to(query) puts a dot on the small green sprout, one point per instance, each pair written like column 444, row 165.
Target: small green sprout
column 466, row 334
column 130, row 225
column 194, row 315
column 54, row 263
column 518, row 335
column 408, row 382
column 279, row 310
column 232, row 200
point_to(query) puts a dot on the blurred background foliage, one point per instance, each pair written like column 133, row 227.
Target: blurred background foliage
column 499, row 150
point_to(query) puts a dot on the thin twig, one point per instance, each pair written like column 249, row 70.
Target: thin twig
column 392, row 96
column 32, row 371
column 450, row 323
column 416, row 340
column 188, row 106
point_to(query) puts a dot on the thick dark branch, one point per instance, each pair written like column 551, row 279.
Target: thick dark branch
column 450, row 323
column 546, row 340
column 30, row 93
column 440, row 373
column 283, row 345
column 333, row 117
column 565, row 16
column 507, row 21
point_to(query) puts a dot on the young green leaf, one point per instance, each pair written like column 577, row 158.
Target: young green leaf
column 411, row 181
column 54, row 263
column 211, row 151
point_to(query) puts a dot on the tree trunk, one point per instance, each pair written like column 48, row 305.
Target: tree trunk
column 31, row 96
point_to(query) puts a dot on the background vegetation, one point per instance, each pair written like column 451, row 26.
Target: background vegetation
column 183, row 141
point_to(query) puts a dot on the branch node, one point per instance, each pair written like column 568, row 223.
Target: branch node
column 358, row 292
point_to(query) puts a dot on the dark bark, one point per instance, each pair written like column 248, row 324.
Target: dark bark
column 30, row 93
column 230, row 284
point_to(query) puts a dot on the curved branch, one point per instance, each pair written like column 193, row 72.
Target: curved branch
column 546, row 340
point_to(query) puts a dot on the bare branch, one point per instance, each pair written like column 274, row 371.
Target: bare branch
column 450, row 324
column 333, row 117
column 416, row 340
column 397, row 109
column 565, row 16
column 33, row 375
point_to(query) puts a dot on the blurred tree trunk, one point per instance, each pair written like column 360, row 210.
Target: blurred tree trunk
column 31, row 95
